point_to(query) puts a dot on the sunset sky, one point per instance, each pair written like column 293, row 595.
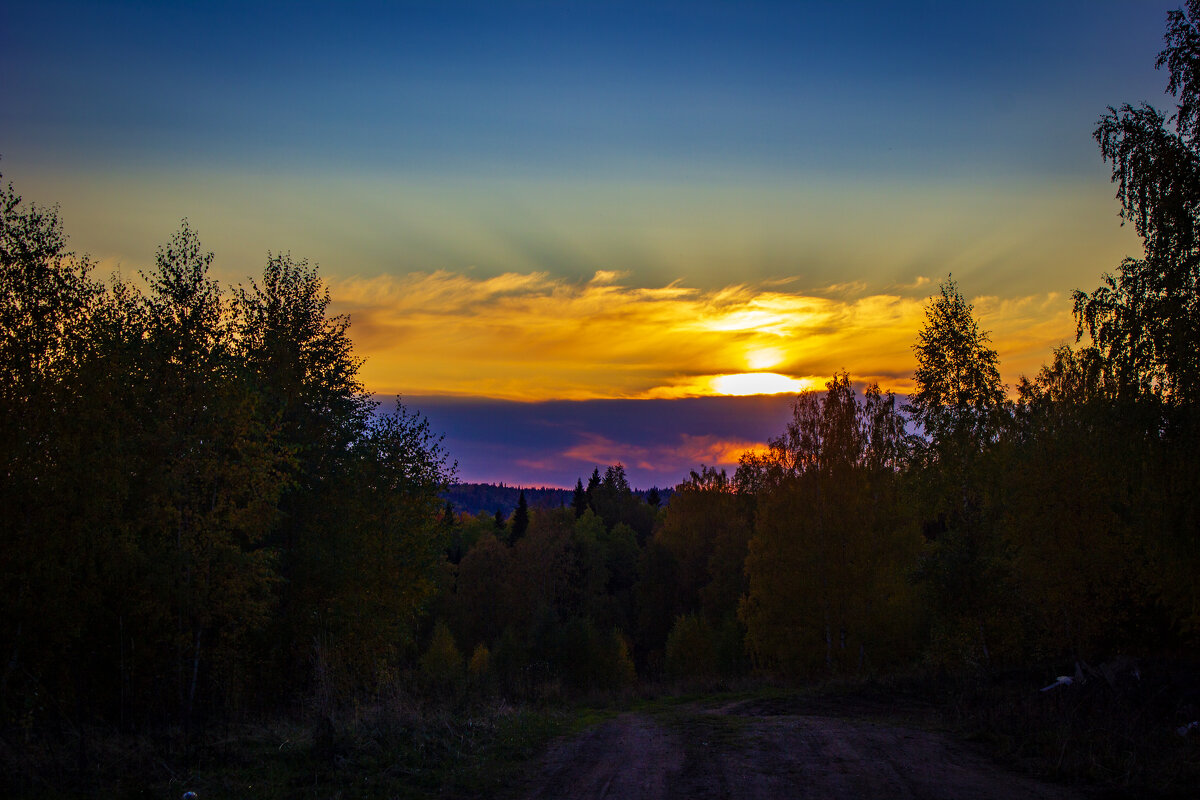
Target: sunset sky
column 559, row 226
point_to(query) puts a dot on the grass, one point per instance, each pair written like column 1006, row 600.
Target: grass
column 1120, row 740
column 448, row 752
column 481, row 753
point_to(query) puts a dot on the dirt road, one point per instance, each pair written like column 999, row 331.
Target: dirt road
column 760, row 750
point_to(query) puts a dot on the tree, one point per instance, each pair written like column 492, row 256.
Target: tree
column 958, row 378
column 45, row 293
column 614, row 502
column 198, row 497
column 658, row 604
column 47, row 530
column 213, row 468
column 593, row 486
column 520, row 518
column 691, row 648
column 960, row 404
column 707, row 531
column 482, row 600
column 1067, row 515
column 826, row 581
column 390, row 555
column 442, row 665
column 304, row 362
column 303, row 365
column 1145, row 320
column 580, row 499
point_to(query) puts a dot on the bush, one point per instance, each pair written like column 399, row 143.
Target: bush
column 480, row 661
column 442, row 663
column 691, row 648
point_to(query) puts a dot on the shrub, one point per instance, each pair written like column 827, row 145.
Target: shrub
column 480, row 661
column 691, row 648
column 442, row 663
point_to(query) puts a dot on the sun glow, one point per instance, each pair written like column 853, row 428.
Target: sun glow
column 532, row 336
column 764, row 358
column 747, row 383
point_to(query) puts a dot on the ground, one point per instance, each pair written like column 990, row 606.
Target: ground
column 768, row 749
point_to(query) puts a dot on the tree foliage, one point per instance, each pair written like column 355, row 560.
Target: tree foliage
column 197, row 488
column 957, row 375
column 823, row 594
column 205, row 513
column 1143, row 323
column 1145, row 319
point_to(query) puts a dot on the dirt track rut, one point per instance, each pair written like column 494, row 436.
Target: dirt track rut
column 733, row 752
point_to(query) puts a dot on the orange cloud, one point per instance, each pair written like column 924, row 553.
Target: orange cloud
column 688, row 450
column 531, row 336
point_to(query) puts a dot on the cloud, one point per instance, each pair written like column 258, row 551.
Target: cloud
column 668, row 458
column 603, row 277
column 920, row 282
column 532, row 336
column 554, row 443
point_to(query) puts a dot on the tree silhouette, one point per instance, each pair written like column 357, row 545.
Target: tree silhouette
column 1145, row 320
column 593, row 486
column 200, row 505
column 520, row 518
column 960, row 405
column 824, row 594
column 580, row 499
column 957, row 376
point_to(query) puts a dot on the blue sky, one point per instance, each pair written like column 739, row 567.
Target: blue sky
column 574, row 201
column 677, row 88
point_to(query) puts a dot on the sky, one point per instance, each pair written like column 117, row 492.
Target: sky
column 574, row 233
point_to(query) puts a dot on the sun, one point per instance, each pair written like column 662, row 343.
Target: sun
column 764, row 358
column 748, row 383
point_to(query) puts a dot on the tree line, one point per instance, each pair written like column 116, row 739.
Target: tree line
column 205, row 516
column 975, row 527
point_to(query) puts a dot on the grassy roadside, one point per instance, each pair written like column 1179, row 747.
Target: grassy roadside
column 473, row 752
column 1119, row 743
column 1121, row 740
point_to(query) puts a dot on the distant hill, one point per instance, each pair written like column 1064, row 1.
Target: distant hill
column 472, row 498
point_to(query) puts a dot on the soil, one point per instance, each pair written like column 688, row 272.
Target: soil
column 775, row 749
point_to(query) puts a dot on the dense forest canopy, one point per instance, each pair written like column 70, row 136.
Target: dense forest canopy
column 476, row 498
column 202, row 509
column 206, row 516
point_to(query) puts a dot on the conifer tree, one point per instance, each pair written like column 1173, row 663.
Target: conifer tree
column 593, row 487
column 580, row 500
column 520, row 517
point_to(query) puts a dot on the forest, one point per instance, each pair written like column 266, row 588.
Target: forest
column 207, row 518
